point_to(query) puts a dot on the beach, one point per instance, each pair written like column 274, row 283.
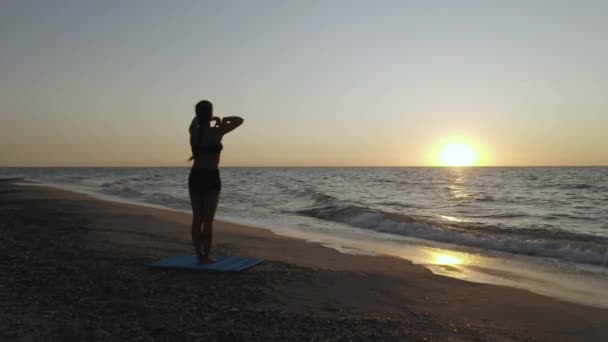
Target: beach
column 76, row 268
column 386, row 171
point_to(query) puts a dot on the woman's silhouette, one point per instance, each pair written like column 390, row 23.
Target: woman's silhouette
column 204, row 183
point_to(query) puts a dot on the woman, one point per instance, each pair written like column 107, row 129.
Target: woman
column 204, row 183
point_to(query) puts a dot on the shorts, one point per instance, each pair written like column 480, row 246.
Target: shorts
column 202, row 181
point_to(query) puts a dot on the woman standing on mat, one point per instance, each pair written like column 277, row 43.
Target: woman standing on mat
column 204, row 183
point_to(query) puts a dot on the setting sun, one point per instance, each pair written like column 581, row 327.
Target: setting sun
column 458, row 154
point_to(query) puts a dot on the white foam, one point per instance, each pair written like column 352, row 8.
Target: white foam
column 518, row 244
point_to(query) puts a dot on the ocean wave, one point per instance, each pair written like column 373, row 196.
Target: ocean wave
column 399, row 204
column 318, row 198
column 585, row 250
column 166, row 200
column 577, row 186
column 560, row 216
column 484, row 198
column 501, row 215
column 568, row 186
column 119, row 188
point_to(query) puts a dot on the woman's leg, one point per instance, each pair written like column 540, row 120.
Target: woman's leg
column 197, row 221
column 210, row 201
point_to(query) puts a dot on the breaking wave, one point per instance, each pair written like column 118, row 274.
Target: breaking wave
column 119, row 188
column 535, row 242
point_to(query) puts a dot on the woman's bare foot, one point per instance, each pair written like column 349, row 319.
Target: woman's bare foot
column 205, row 260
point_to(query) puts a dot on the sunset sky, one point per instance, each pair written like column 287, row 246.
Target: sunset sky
column 114, row 83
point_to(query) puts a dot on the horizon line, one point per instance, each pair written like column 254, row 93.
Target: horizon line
column 298, row 166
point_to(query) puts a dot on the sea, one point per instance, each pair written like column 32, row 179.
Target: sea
column 543, row 229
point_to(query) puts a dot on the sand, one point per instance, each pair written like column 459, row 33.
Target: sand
column 75, row 268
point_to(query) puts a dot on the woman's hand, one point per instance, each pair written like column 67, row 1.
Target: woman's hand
column 229, row 123
column 218, row 121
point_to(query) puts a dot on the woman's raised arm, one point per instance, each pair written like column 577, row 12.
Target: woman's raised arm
column 230, row 123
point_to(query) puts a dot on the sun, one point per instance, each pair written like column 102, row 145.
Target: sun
column 458, row 154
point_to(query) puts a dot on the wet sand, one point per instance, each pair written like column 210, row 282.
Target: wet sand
column 75, row 268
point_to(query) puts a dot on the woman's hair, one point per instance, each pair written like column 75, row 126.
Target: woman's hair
column 204, row 113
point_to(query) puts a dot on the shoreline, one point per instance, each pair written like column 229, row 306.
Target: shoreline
column 321, row 281
column 473, row 264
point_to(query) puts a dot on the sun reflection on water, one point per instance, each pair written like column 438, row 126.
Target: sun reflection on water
column 447, row 260
column 451, row 218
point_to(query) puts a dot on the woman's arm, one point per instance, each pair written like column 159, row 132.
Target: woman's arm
column 194, row 137
column 230, row 123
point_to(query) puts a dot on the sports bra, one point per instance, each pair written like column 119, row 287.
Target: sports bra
column 213, row 149
column 197, row 149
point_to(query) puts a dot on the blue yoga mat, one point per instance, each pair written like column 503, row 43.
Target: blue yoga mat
column 222, row 264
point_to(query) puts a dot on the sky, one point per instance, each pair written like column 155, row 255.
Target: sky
column 319, row 83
